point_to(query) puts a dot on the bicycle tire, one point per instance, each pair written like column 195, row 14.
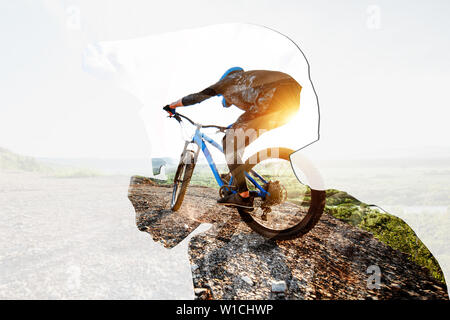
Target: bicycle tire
column 185, row 169
column 315, row 209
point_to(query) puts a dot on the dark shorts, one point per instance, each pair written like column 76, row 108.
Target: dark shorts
column 283, row 105
column 251, row 124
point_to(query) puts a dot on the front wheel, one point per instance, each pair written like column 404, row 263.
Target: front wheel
column 182, row 178
column 292, row 209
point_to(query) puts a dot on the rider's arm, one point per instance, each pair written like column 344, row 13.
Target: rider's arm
column 194, row 98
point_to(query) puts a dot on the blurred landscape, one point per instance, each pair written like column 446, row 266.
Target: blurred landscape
column 422, row 227
column 69, row 232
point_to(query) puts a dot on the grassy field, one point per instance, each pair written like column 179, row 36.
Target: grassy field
column 10, row 161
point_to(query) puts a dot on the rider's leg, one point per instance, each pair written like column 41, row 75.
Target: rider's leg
column 236, row 139
column 284, row 103
column 233, row 150
column 249, row 126
column 233, row 154
column 234, row 144
column 243, row 132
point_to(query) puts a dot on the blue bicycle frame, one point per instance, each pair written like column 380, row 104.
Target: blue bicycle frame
column 200, row 138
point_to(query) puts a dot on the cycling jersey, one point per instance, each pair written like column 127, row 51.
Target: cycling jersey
column 251, row 91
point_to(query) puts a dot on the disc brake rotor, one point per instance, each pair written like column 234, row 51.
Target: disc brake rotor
column 277, row 195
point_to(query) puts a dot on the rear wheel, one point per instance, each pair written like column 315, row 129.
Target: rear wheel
column 182, row 178
column 292, row 209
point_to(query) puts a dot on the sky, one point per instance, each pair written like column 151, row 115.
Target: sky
column 380, row 69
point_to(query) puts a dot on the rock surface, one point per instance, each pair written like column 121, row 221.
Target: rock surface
column 230, row 261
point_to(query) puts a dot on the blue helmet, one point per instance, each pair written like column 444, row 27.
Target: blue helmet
column 233, row 69
column 230, row 71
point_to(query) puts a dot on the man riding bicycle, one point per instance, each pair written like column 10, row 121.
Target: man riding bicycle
column 269, row 99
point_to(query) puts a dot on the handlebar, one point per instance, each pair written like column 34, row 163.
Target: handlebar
column 178, row 117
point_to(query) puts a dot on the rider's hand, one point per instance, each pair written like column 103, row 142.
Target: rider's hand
column 170, row 110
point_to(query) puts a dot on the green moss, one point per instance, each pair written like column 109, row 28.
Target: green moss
column 336, row 197
column 11, row 161
column 390, row 230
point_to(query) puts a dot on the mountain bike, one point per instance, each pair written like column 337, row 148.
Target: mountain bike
column 284, row 208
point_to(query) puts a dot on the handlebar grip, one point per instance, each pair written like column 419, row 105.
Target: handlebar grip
column 169, row 110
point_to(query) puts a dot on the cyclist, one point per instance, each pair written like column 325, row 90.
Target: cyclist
column 269, row 99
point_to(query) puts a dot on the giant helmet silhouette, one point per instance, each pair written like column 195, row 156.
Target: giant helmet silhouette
column 162, row 68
